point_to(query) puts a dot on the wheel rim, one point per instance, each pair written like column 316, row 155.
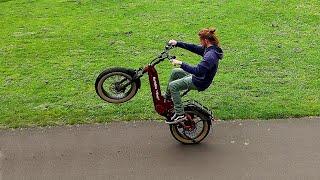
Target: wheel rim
column 195, row 130
column 107, row 87
column 201, row 132
column 111, row 83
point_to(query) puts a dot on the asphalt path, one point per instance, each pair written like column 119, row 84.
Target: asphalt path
column 271, row 149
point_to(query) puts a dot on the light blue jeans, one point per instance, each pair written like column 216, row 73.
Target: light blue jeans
column 179, row 81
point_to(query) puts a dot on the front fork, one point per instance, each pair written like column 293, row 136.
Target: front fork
column 136, row 75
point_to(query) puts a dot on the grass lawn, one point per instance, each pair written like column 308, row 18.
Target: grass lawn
column 52, row 51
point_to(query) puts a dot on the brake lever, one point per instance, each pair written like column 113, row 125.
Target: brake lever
column 169, row 46
column 171, row 58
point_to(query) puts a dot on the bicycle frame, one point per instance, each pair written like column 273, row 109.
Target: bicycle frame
column 163, row 108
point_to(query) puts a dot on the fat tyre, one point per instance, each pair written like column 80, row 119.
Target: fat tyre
column 201, row 136
column 127, row 73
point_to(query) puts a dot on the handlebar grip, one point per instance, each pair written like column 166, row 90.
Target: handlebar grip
column 172, row 57
column 169, row 46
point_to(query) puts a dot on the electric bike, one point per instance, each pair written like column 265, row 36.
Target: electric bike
column 118, row 85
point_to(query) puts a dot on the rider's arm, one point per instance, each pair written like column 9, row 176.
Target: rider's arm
column 203, row 67
column 191, row 47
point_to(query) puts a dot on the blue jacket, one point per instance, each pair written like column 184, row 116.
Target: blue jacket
column 204, row 72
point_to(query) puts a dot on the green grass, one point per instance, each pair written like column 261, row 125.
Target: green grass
column 52, row 51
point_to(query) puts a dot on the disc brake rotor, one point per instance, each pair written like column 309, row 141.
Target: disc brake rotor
column 192, row 127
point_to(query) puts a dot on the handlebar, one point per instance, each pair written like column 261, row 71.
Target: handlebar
column 169, row 46
column 172, row 57
column 164, row 55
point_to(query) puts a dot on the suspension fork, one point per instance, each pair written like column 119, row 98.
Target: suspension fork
column 139, row 73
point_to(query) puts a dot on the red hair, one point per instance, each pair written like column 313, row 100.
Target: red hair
column 210, row 35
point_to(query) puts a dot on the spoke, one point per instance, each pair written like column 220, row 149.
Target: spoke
column 123, row 79
column 109, row 86
column 196, row 131
column 196, row 119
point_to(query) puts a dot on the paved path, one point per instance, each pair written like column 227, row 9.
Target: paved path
column 273, row 149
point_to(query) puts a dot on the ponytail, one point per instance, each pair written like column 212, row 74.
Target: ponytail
column 210, row 35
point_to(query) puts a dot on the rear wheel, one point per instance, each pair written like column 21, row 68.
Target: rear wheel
column 110, row 85
column 193, row 130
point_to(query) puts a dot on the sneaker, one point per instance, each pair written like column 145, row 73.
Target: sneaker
column 176, row 118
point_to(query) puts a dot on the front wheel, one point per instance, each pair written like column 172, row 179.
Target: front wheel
column 110, row 85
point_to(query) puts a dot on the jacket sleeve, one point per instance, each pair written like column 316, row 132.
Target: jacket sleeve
column 191, row 47
column 202, row 68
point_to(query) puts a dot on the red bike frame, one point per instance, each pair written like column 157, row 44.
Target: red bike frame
column 162, row 106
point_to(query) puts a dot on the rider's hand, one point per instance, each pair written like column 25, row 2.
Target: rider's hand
column 176, row 62
column 172, row 42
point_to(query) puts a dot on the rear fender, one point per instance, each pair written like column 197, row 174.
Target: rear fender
column 201, row 109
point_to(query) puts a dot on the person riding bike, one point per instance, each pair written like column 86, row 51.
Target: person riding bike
column 193, row 78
